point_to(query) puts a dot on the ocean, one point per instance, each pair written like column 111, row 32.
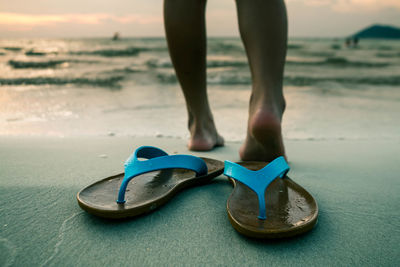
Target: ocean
column 68, row 87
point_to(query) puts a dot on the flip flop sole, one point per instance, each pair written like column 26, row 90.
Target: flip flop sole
column 291, row 210
column 144, row 193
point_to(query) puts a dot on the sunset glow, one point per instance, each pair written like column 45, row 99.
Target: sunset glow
column 353, row 5
column 133, row 18
column 39, row 19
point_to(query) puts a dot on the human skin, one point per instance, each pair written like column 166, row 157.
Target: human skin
column 263, row 29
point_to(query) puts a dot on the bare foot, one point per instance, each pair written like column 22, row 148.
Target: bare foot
column 264, row 135
column 204, row 136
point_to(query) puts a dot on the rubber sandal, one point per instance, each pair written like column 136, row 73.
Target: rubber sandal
column 146, row 184
column 262, row 205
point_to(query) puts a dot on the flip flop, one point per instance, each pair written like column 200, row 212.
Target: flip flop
column 265, row 203
column 146, row 184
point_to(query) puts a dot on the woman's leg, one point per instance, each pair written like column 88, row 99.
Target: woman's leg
column 185, row 28
column 263, row 28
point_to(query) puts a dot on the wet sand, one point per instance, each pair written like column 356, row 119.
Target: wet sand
column 355, row 182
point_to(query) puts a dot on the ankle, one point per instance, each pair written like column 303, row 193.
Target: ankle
column 202, row 122
column 267, row 107
column 268, row 104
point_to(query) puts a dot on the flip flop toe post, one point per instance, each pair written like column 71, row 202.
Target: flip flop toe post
column 151, row 178
column 266, row 203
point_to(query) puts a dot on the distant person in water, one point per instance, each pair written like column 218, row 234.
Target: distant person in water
column 355, row 41
column 116, row 36
column 263, row 29
column 348, row 42
column 352, row 42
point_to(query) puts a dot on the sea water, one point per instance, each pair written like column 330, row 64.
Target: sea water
column 64, row 87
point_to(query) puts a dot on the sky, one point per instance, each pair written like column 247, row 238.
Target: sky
column 101, row 18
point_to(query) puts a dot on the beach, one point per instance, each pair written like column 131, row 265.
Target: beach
column 73, row 110
column 96, row 87
column 355, row 184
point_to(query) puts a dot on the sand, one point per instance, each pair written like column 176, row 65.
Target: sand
column 356, row 184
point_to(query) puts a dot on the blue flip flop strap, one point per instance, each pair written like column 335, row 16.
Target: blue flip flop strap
column 157, row 159
column 258, row 181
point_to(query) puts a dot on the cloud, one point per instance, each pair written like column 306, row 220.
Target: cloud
column 140, row 19
column 354, row 6
column 365, row 5
column 27, row 21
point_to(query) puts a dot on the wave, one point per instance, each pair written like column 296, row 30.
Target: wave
column 229, row 79
column 13, row 48
column 318, row 53
column 19, row 64
column 294, row 46
column 339, row 46
column 111, row 82
column 166, row 78
column 35, row 64
column 153, row 63
column 35, row 53
column 130, row 51
column 220, row 78
column 226, row 63
column 238, row 79
column 329, row 61
column 384, row 48
column 129, row 70
column 339, row 62
column 387, row 55
column 307, row 81
column 124, row 70
column 214, row 79
column 225, row 48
